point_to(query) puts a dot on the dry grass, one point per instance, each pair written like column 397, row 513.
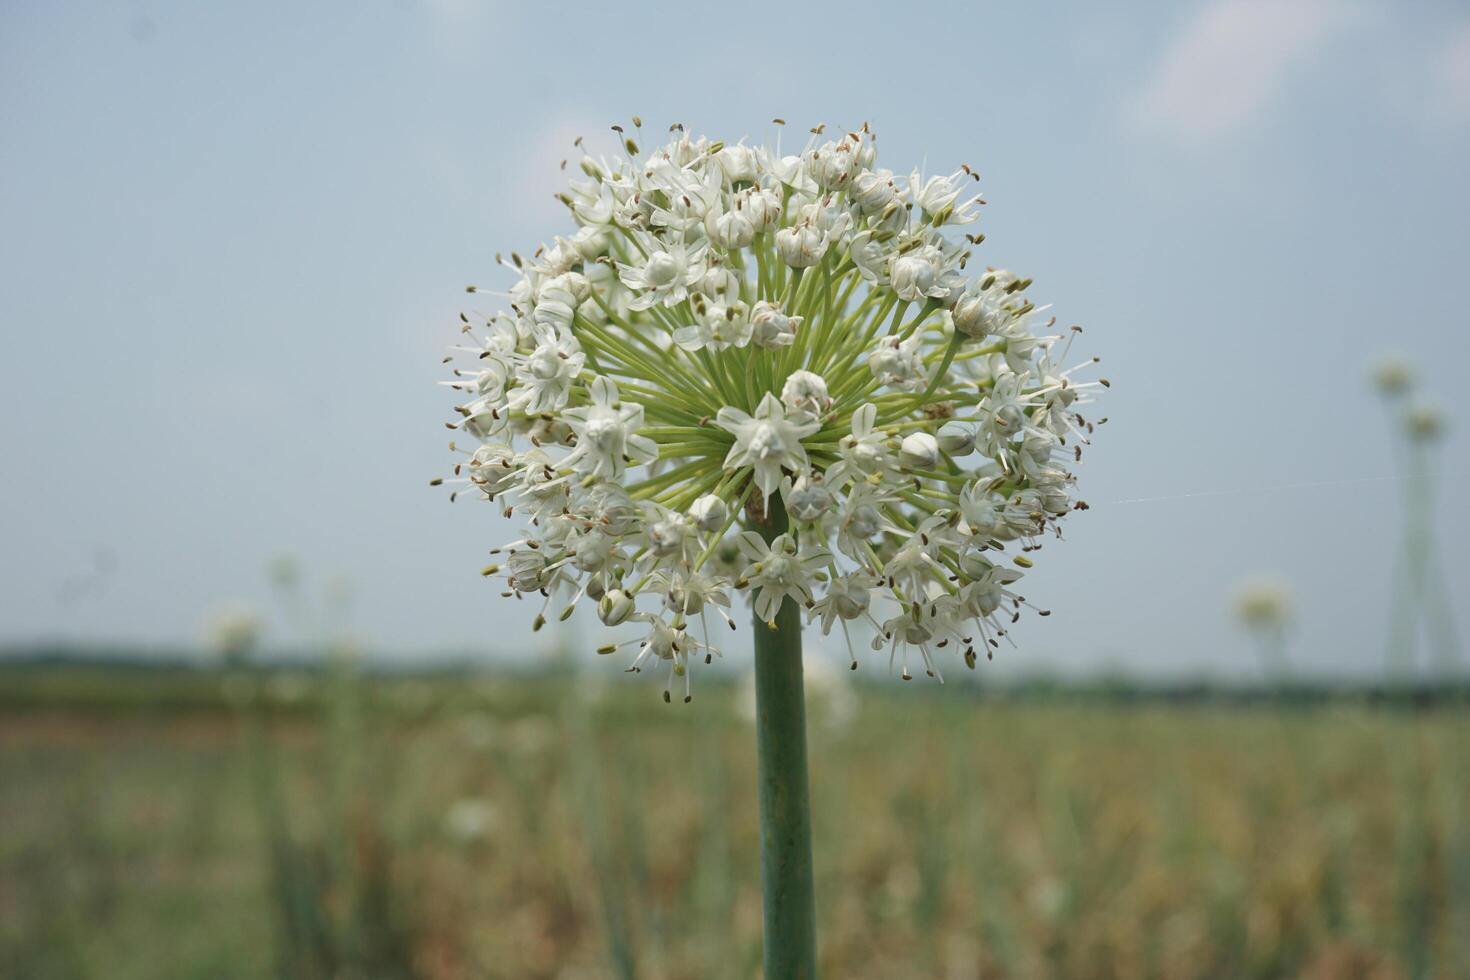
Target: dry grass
column 617, row 838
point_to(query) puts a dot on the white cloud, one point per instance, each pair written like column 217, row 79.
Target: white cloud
column 1231, row 61
column 1453, row 70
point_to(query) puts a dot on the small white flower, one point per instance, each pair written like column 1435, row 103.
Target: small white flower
column 871, row 256
column 847, row 598
column 607, row 434
column 545, row 377
column 865, row 450
column 731, row 229
column 873, row 191
column 937, row 198
column 833, row 164
column 898, row 363
column 979, row 509
column 720, row 325
column 977, row 315
column 801, row 246
column 913, row 276
column 738, row 162
column 806, row 500
column 767, row 442
column 778, row 572
column 493, row 468
column 664, row 277
column 763, row 206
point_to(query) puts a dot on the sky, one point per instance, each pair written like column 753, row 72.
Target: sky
column 234, row 241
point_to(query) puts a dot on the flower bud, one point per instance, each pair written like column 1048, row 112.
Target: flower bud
column 805, row 395
column 682, row 599
column 873, row 191
column 709, row 513
column 590, row 241
column 975, row 565
column 527, row 571
column 719, row 281
column 493, row 468
column 763, row 207
column 661, row 269
column 592, row 550
column 832, row 164
column 864, row 522
column 977, row 315
column 851, row 603
column 956, row 438
column 913, row 277
column 897, row 363
column 738, row 162
column 665, row 538
column 937, row 194
column 772, row 328
column 801, row 246
column 730, row 229
column 870, row 256
column 807, row 501
column 919, row 451
column 615, row 607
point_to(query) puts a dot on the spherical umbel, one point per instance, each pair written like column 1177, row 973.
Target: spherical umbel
column 722, row 327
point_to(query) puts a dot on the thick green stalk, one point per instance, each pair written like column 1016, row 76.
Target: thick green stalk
column 785, row 805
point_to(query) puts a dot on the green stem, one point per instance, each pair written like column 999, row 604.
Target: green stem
column 785, row 807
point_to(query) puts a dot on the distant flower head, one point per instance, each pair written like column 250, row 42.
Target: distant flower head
column 234, row 629
column 1265, row 602
column 1392, row 375
column 1425, row 422
column 468, row 820
column 726, row 328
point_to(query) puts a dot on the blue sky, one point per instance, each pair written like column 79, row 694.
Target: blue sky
column 234, row 239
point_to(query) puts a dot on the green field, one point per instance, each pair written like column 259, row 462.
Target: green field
column 524, row 827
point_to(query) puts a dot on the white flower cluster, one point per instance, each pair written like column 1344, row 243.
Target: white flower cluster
column 733, row 337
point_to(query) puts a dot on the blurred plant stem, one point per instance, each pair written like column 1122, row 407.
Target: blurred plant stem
column 301, row 934
column 587, row 783
column 785, row 805
column 1419, row 582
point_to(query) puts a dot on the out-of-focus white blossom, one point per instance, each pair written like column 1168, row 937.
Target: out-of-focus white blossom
column 1393, row 375
column 1265, row 602
column 471, row 819
column 234, row 629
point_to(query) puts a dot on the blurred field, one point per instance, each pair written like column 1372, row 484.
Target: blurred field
column 581, row 828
